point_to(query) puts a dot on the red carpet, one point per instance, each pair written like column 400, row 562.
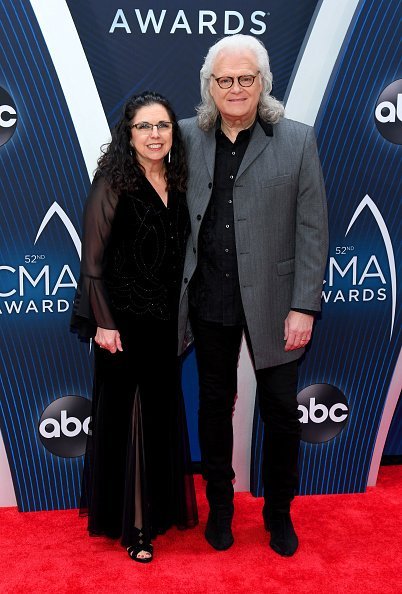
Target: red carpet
column 349, row 544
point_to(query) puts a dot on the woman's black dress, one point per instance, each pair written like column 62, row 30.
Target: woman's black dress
column 137, row 466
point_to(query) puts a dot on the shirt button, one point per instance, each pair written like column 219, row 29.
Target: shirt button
column 233, row 153
column 227, row 226
column 226, row 250
column 227, row 275
column 199, row 217
column 231, row 176
column 210, row 185
column 229, row 201
column 185, row 280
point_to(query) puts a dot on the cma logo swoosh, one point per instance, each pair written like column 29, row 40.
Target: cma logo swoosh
column 56, row 209
column 368, row 203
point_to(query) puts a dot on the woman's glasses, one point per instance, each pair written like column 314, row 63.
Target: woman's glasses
column 147, row 128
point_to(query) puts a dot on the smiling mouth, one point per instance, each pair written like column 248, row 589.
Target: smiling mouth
column 154, row 146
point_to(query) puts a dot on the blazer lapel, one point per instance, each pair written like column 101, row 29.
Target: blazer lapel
column 258, row 142
column 209, row 149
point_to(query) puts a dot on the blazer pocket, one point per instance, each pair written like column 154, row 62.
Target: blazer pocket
column 285, row 267
column 277, row 181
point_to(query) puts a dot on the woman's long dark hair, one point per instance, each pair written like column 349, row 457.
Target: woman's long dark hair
column 119, row 164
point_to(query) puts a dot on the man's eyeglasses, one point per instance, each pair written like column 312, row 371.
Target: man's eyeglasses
column 146, row 127
column 245, row 80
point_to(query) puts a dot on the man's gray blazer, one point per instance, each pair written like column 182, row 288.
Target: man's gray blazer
column 280, row 221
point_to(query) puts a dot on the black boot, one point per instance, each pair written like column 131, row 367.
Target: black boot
column 280, row 476
column 218, row 531
column 284, row 539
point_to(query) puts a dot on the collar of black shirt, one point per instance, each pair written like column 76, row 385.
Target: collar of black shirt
column 266, row 126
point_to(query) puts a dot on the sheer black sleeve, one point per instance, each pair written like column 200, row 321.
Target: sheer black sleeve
column 91, row 304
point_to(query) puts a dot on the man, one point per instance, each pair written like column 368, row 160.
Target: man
column 254, row 264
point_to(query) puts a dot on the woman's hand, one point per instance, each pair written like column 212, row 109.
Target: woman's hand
column 108, row 339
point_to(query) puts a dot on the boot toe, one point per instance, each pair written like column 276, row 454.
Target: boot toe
column 284, row 539
column 218, row 531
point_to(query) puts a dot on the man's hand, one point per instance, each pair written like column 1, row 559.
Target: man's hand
column 108, row 339
column 298, row 327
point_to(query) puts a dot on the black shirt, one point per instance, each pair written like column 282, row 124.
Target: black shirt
column 132, row 256
column 215, row 288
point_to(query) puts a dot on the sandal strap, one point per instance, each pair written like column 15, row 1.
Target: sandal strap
column 135, row 550
column 147, row 548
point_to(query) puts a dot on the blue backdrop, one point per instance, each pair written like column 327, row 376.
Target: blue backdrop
column 44, row 181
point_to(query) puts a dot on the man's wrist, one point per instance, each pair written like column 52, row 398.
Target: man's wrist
column 309, row 312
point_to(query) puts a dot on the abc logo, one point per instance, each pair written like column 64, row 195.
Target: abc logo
column 324, row 412
column 388, row 112
column 64, row 426
column 8, row 117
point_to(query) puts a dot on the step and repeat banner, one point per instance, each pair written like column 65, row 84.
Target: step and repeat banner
column 67, row 68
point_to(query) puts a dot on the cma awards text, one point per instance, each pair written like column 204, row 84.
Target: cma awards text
column 208, row 22
column 356, row 272
column 36, row 288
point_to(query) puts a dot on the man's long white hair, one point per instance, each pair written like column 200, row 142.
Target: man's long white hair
column 269, row 109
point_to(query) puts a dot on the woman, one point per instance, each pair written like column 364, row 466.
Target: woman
column 136, row 478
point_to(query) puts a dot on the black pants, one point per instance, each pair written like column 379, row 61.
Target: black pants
column 217, row 351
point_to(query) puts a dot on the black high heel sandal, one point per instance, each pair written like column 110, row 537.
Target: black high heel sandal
column 141, row 546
